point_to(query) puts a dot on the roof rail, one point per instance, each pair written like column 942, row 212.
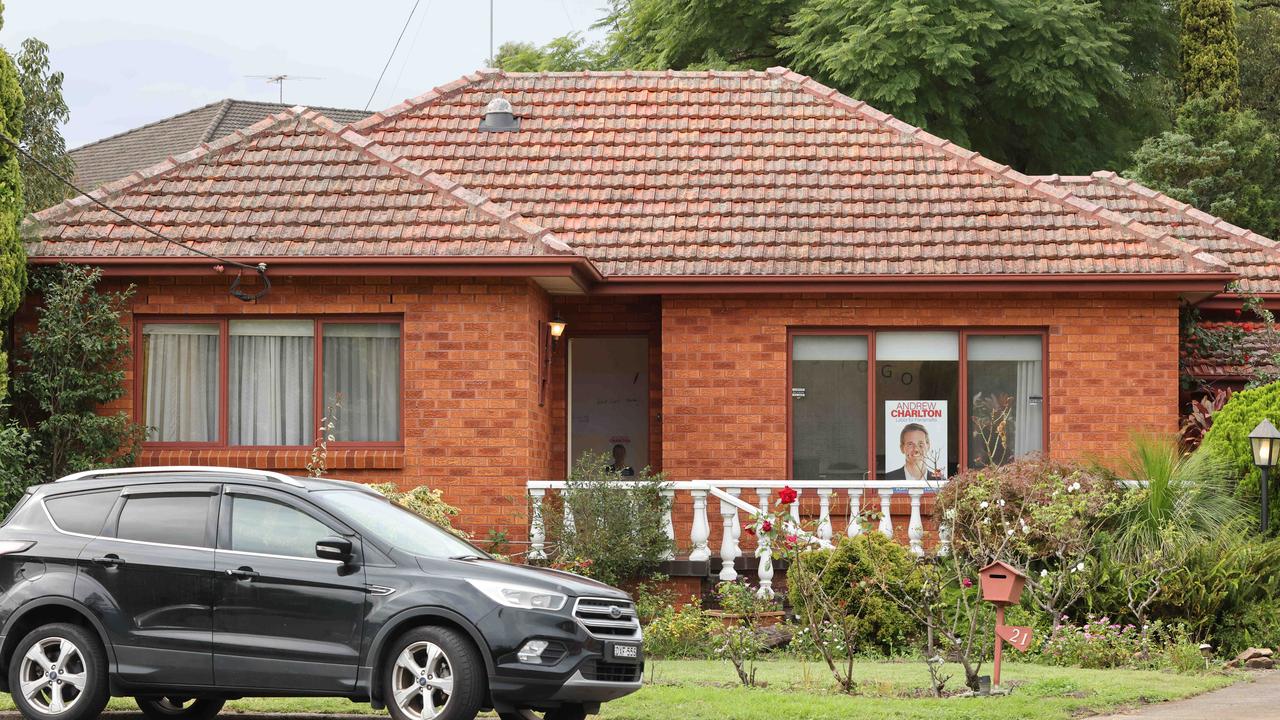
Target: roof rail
column 260, row 474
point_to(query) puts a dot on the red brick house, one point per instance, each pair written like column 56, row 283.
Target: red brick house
column 762, row 279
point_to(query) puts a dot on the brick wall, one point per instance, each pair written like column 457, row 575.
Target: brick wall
column 472, row 424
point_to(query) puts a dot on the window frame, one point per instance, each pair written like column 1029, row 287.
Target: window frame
column 227, row 510
column 869, row 332
column 223, row 323
column 210, row 491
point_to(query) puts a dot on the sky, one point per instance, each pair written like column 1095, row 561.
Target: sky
column 131, row 62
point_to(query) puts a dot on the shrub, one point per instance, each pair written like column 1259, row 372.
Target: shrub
column 687, row 632
column 17, row 464
column 618, row 524
column 742, row 643
column 1101, row 643
column 873, row 620
column 1228, row 438
column 425, row 501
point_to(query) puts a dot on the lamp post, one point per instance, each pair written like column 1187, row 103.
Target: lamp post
column 1265, row 440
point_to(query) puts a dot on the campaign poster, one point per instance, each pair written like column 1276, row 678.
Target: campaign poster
column 915, row 440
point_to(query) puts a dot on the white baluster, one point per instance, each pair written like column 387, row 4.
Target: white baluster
column 824, row 514
column 855, row 512
column 737, row 523
column 795, row 508
column 764, row 551
column 915, row 529
column 886, row 523
column 701, row 532
column 537, row 533
column 668, row 525
column 944, row 538
column 763, row 495
column 727, row 550
column 569, row 527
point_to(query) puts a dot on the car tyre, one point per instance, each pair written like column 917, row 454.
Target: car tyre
column 179, row 708
column 59, row 672
column 436, row 665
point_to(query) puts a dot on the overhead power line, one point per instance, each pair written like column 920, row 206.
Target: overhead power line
column 260, row 268
column 399, row 37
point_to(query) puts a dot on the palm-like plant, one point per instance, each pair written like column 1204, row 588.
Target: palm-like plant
column 1186, row 498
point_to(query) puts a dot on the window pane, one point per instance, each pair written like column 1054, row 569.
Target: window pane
column 180, row 381
column 829, row 407
column 270, row 380
column 168, row 519
column 1006, row 397
column 82, row 513
column 362, row 375
column 917, row 388
column 263, row 526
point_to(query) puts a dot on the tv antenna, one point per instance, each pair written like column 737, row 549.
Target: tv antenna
column 279, row 80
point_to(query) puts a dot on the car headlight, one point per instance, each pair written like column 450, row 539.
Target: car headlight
column 519, row 596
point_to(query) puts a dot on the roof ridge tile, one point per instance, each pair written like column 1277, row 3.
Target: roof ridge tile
column 431, row 95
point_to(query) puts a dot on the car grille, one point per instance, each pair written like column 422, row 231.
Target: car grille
column 611, row 672
column 605, row 618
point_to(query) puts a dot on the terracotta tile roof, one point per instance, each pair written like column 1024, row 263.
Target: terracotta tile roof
column 729, row 174
column 294, row 184
column 1255, row 257
column 114, row 157
column 1253, row 347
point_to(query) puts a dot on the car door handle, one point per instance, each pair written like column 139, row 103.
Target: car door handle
column 111, row 560
column 243, row 573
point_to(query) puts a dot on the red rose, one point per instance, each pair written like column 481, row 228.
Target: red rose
column 966, row 582
column 787, row 495
column 749, row 529
column 790, row 541
column 766, row 526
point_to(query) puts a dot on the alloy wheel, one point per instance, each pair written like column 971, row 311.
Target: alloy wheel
column 422, row 681
column 52, row 675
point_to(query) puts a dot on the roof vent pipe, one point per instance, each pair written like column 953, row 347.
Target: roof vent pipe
column 498, row 117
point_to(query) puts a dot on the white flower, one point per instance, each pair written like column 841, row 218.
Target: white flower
column 1044, row 573
column 1080, row 566
column 983, row 505
column 1008, row 532
column 1000, row 502
column 986, row 521
column 1075, row 486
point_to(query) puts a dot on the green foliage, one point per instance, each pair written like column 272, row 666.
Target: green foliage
column 618, row 527
column 44, row 112
column 686, row 632
column 568, row 53
column 1259, row 33
column 741, row 642
column 13, row 257
column 425, row 501
column 1228, row 440
column 842, row 574
column 17, row 464
column 1225, row 163
column 69, row 367
column 1210, row 65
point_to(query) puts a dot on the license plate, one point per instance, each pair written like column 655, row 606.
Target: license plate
column 626, row 652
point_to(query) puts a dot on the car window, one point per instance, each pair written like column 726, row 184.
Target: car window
column 395, row 525
column 167, row 519
column 265, row 526
column 82, row 513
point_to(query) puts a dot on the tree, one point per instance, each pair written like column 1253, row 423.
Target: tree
column 1225, row 163
column 567, row 53
column 1047, row 86
column 45, row 111
column 1210, row 64
column 1259, row 34
column 13, row 257
column 69, row 367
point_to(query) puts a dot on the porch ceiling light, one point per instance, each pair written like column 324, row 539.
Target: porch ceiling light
column 557, row 327
column 1265, row 440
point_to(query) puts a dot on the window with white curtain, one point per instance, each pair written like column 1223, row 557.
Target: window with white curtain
column 270, row 382
column 1006, row 397
column 180, row 381
column 251, row 382
column 362, row 374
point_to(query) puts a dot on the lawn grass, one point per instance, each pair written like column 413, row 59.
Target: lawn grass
column 793, row 689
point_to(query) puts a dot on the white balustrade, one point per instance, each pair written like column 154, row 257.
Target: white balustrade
column 886, row 522
column 855, row 512
column 668, row 524
column 734, row 511
column 915, row 529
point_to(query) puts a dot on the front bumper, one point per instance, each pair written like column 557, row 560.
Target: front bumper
column 580, row 671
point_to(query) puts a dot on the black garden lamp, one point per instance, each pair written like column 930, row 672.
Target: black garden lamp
column 1265, row 440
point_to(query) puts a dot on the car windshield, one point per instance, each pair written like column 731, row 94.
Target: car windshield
column 404, row 529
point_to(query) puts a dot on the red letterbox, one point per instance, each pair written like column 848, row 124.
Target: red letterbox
column 1001, row 583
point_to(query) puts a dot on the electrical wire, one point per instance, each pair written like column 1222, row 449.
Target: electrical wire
column 393, row 53
column 260, row 268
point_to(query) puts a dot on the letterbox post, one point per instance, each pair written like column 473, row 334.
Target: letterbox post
column 1001, row 586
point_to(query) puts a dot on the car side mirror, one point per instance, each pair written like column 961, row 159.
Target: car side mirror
column 334, row 548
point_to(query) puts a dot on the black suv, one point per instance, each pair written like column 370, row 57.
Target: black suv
column 185, row 587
